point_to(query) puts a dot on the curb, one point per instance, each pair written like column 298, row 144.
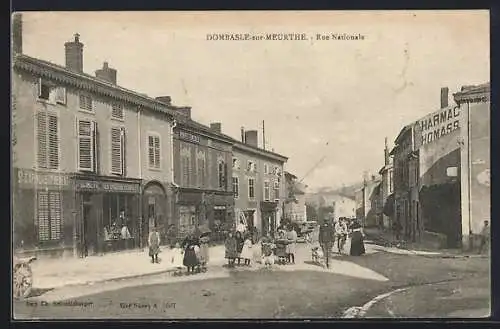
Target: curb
column 356, row 312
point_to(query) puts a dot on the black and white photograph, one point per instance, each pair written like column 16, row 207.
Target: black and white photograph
column 250, row 165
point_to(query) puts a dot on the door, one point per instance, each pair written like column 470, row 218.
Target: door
column 89, row 229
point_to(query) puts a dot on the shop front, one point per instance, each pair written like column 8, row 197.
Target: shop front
column 108, row 212
column 154, row 212
column 42, row 204
column 269, row 218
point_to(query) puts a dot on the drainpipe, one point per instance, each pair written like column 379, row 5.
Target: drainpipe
column 174, row 124
column 139, row 144
column 469, row 177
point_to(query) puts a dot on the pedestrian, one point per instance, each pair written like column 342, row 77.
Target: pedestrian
column 241, row 227
column 239, row 245
column 396, row 228
column 341, row 234
column 177, row 258
column 485, row 237
column 268, row 253
column 125, row 235
column 291, row 237
column 204, row 251
column 154, row 244
column 190, row 260
column 326, row 237
column 357, row 240
column 230, row 252
column 247, row 252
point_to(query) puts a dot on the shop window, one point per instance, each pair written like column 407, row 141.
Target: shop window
column 87, row 145
column 187, row 218
column 236, row 187
column 85, row 102
column 49, row 216
column 47, row 131
column 154, row 153
column 118, row 150
column 251, row 188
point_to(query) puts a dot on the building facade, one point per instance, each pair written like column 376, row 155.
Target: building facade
column 367, row 200
column 386, row 189
column 258, row 183
column 84, row 149
column 294, row 206
column 475, row 139
column 202, row 167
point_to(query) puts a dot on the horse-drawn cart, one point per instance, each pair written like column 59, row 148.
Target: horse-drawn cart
column 22, row 277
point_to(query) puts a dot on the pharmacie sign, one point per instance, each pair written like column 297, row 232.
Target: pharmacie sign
column 439, row 124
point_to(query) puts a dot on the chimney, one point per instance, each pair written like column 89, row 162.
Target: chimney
column 17, row 33
column 243, row 134
column 74, row 55
column 216, row 126
column 106, row 73
column 185, row 111
column 251, row 138
column 164, row 99
column 444, row 97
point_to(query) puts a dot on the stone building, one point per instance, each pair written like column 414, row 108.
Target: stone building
column 387, row 189
column 84, row 150
column 257, row 180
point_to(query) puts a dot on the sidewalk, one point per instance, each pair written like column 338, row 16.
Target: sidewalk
column 55, row 273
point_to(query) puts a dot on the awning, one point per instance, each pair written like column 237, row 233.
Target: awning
column 389, row 205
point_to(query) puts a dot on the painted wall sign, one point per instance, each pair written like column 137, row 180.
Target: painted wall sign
column 111, row 187
column 439, row 124
column 189, row 137
column 31, row 178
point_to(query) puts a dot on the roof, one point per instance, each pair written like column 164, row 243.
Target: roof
column 257, row 150
column 290, row 175
column 182, row 120
column 401, row 134
column 478, row 93
column 88, row 82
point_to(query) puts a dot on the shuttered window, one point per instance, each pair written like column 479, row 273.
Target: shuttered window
column 117, row 111
column 185, row 169
column 277, row 189
column 86, row 102
column 154, row 153
column 251, row 188
column 117, row 150
column 60, row 95
column 47, row 125
column 49, row 216
column 201, row 171
column 222, row 170
column 266, row 191
column 87, row 145
column 236, row 187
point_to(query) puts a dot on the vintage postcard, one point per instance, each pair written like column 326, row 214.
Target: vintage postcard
column 250, row 165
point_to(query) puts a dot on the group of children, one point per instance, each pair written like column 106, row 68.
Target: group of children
column 239, row 246
column 192, row 253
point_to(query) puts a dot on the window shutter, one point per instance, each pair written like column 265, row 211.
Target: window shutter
column 43, row 216
column 157, row 151
column 53, row 137
column 95, row 147
column 151, row 152
column 42, row 139
column 224, row 180
column 61, row 95
column 39, row 87
column 116, row 151
column 85, row 145
column 124, row 155
column 55, row 215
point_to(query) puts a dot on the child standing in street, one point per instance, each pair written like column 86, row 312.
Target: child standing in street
column 177, row 258
column 247, row 252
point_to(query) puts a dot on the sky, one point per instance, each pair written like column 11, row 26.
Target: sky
column 335, row 100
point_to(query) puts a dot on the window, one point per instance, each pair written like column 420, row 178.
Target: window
column 47, row 131
column 51, row 93
column 251, row 188
column 44, row 89
column 154, row 151
column 236, row 187
column 118, row 150
column 267, row 192
column 251, row 166
column 185, row 160
column 266, row 169
column 201, row 169
column 117, row 111
column 49, row 217
column 236, row 163
column 87, row 145
column 277, row 190
column 86, row 102
column 390, row 181
column 222, row 171
column 277, row 171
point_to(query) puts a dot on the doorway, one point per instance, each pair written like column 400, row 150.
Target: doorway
column 89, row 228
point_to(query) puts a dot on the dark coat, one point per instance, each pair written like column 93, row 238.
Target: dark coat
column 190, row 258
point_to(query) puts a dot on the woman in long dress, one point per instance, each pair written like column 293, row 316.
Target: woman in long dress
column 204, row 251
column 239, row 245
column 190, row 259
column 247, row 252
column 291, row 236
column 357, row 240
column 231, row 252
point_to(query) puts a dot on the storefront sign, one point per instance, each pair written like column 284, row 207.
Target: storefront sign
column 111, row 187
column 219, row 207
column 31, row 178
column 189, row 137
column 439, row 124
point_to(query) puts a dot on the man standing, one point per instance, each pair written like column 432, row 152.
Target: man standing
column 341, row 233
column 485, row 237
column 326, row 238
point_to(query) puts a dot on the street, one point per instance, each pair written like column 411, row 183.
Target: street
column 302, row 290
